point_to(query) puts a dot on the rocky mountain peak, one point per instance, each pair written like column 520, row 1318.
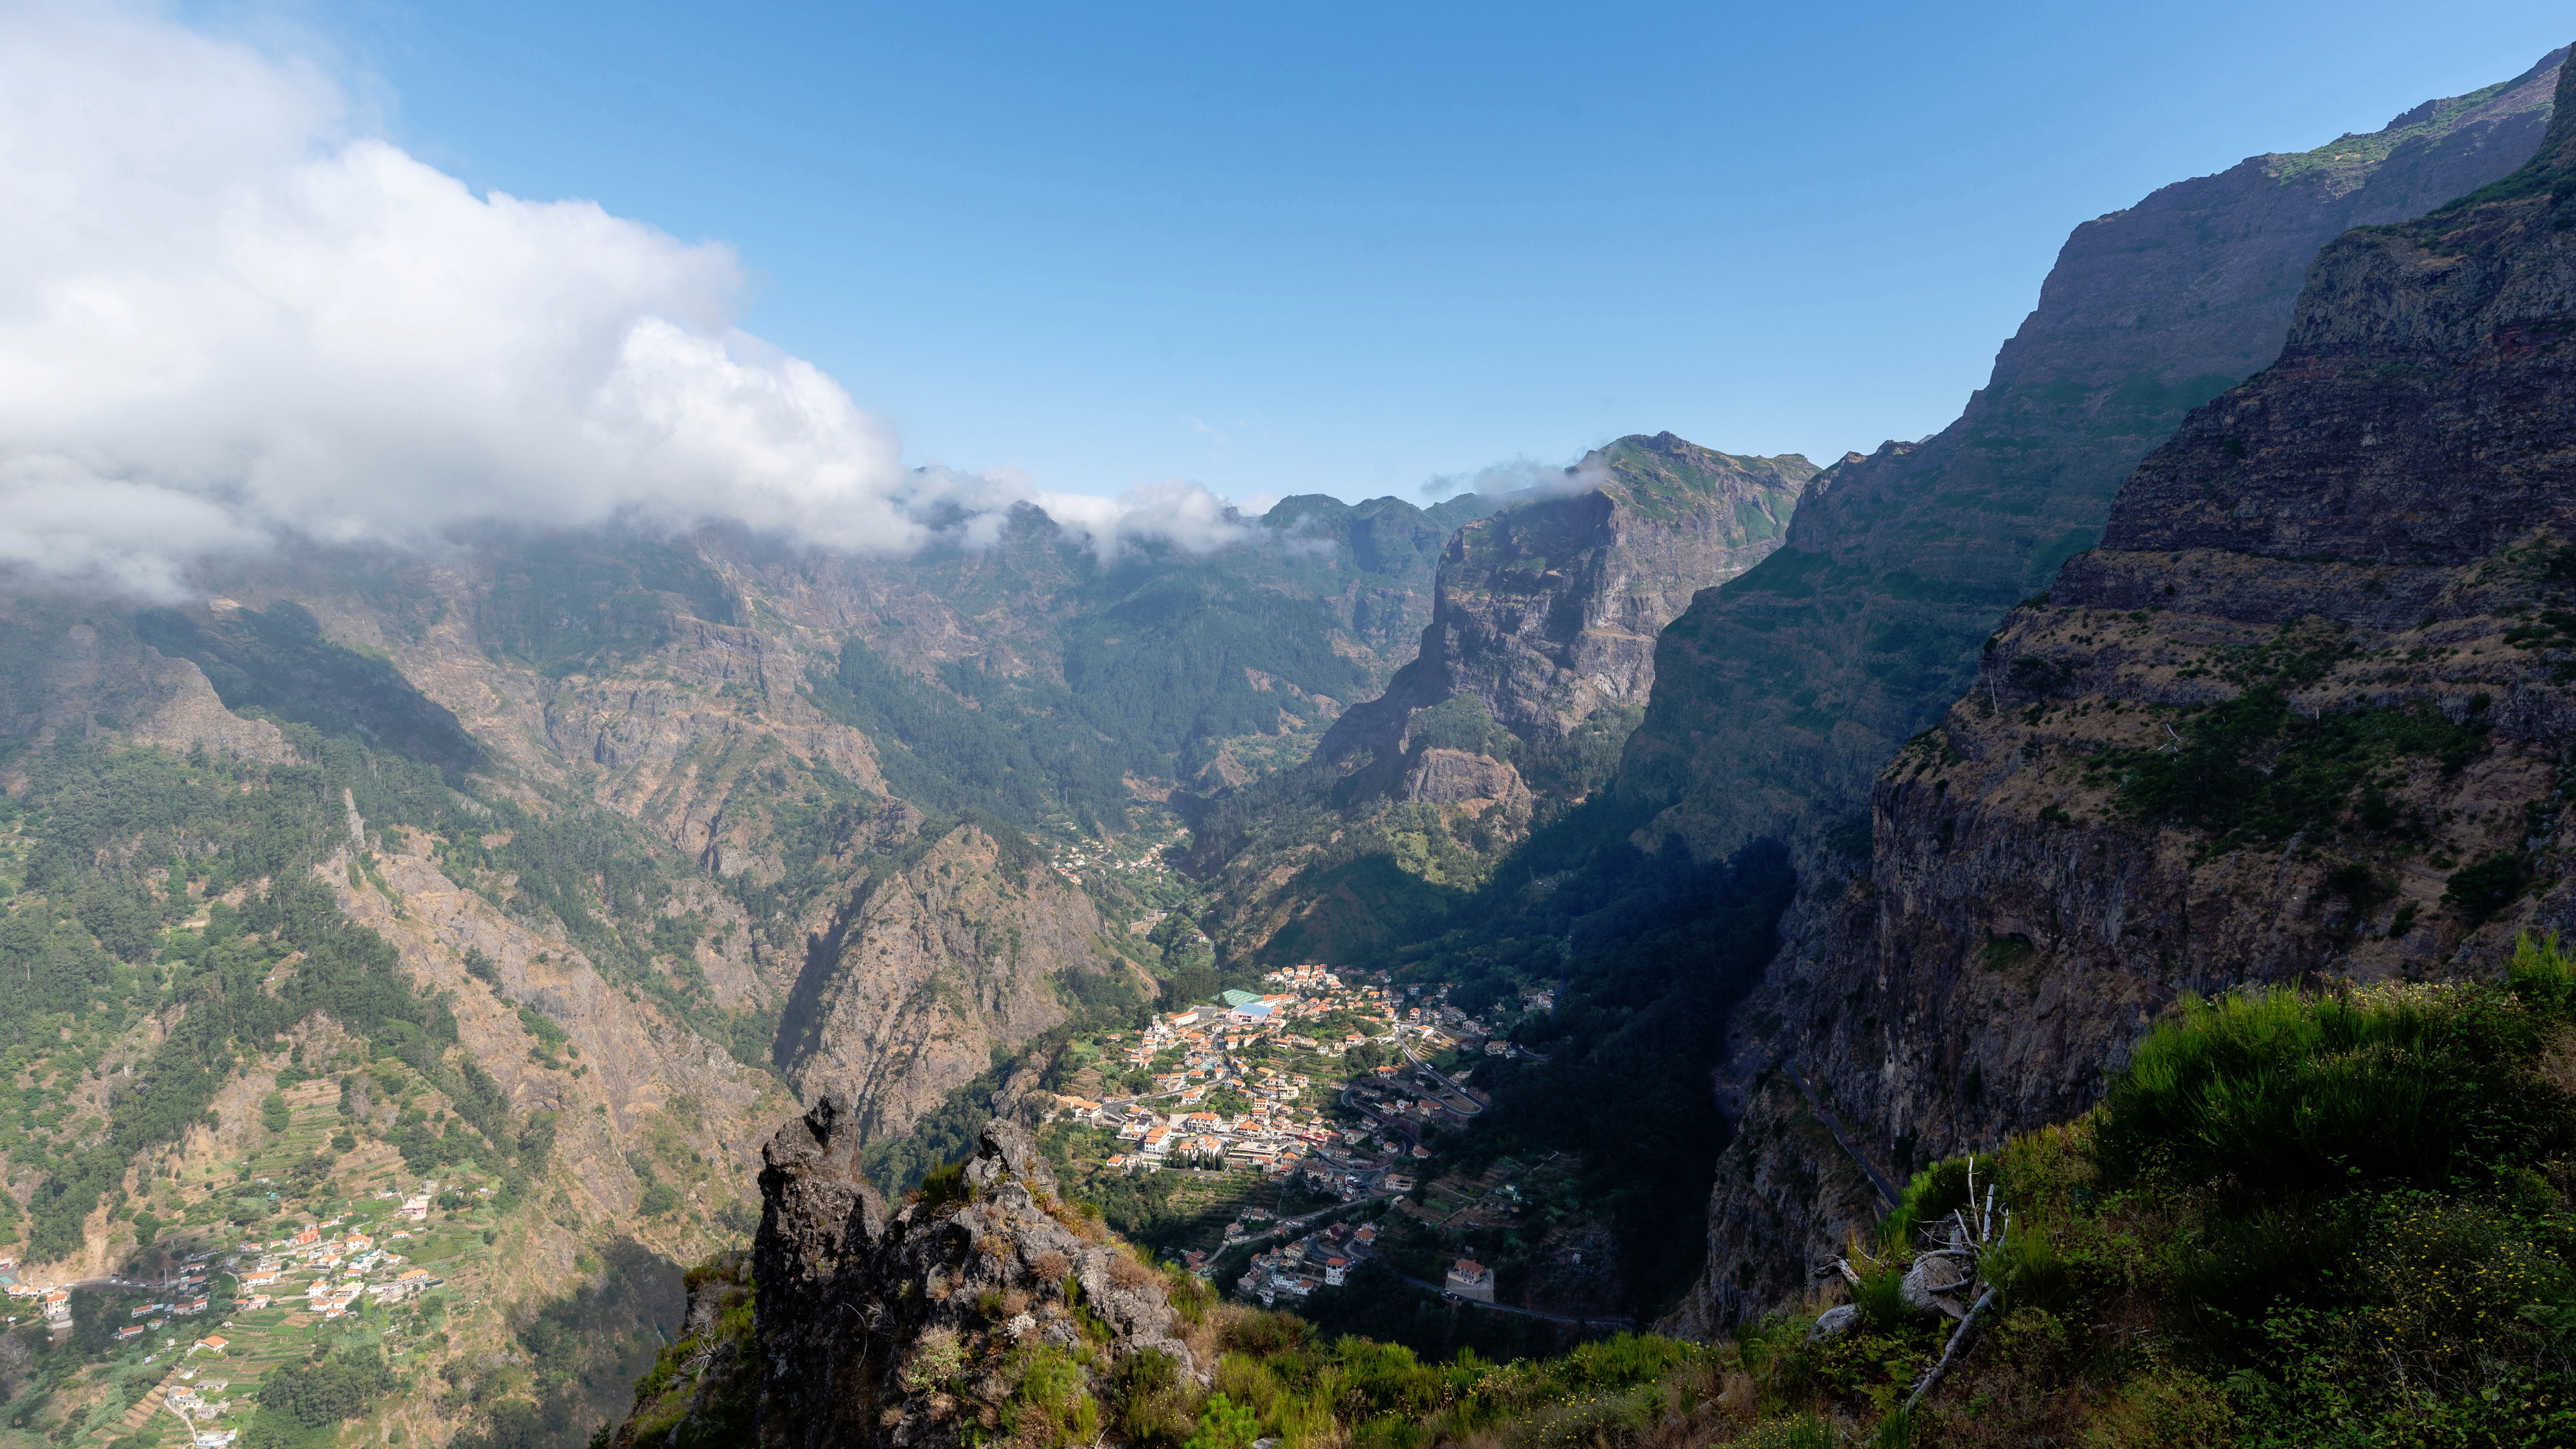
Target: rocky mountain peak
column 1780, row 696
column 888, row 1327
column 2400, row 423
column 1546, row 611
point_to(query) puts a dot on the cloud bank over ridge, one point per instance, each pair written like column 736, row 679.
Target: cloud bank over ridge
column 228, row 314
column 1519, row 476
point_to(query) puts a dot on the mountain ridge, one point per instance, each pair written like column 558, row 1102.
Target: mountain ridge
column 1792, row 684
column 2296, row 721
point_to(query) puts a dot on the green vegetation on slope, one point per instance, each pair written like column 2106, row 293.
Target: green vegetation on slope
column 2297, row 1218
column 1152, row 683
column 115, row 838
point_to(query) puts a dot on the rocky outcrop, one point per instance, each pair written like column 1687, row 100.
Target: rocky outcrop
column 942, row 948
column 84, row 670
column 1781, row 695
column 2301, row 718
column 882, row 1325
column 1537, row 659
column 1457, row 777
column 1547, row 611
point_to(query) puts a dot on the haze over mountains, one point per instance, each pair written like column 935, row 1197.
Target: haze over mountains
column 1846, row 820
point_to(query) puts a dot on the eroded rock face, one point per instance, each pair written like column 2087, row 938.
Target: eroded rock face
column 62, row 669
column 1539, row 654
column 1547, row 611
column 880, row 1327
column 915, row 974
column 2300, row 720
column 1781, row 695
column 1455, row 777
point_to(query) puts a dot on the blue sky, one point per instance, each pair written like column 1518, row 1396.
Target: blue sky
column 1351, row 248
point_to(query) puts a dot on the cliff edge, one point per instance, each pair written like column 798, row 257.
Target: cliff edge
column 2301, row 719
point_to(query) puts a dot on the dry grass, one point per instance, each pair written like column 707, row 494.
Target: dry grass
column 2557, row 1063
column 1052, row 1266
column 1205, row 1343
column 1083, row 1223
column 1126, row 1272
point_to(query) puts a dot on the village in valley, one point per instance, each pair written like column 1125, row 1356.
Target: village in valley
column 1291, row 1135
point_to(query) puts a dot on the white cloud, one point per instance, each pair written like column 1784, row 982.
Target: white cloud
column 1185, row 513
column 228, row 314
column 1520, row 475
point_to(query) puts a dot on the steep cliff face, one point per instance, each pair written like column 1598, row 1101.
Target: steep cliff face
column 1783, row 693
column 638, row 1087
column 915, row 1325
column 1547, row 611
column 2301, row 718
column 1536, row 662
column 946, row 947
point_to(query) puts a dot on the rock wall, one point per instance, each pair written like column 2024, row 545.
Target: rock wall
column 939, row 951
column 2300, row 719
column 66, row 667
column 1782, row 694
column 1539, row 652
column 1547, row 611
column 897, row 1326
column 636, row 1076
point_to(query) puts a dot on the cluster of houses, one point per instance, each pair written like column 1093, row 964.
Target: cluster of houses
column 201, row 1398
column 1070, row 860
column 54, row 1303
column 190, row 1399
column 1325, row 1259
column 340, row 1269
column 1441, row 1026
column 1322, row 1259
column 1273, row 1135
column 190, row 1301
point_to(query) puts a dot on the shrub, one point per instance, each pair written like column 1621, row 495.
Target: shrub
column 1934, row 1193
column 2453, row 1277
column 1152, row 1407
column 2540, row 973
column 1126, row 1272
column 936, row 1358
column 1190, row 1294
column 2272, row 1091
column 1223, row 1424
column 1048, row 1407
column 1880, row 1294
column 943, row 1185
column 1626, row 1361
column 2028, row 1270
column 2481, row 890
